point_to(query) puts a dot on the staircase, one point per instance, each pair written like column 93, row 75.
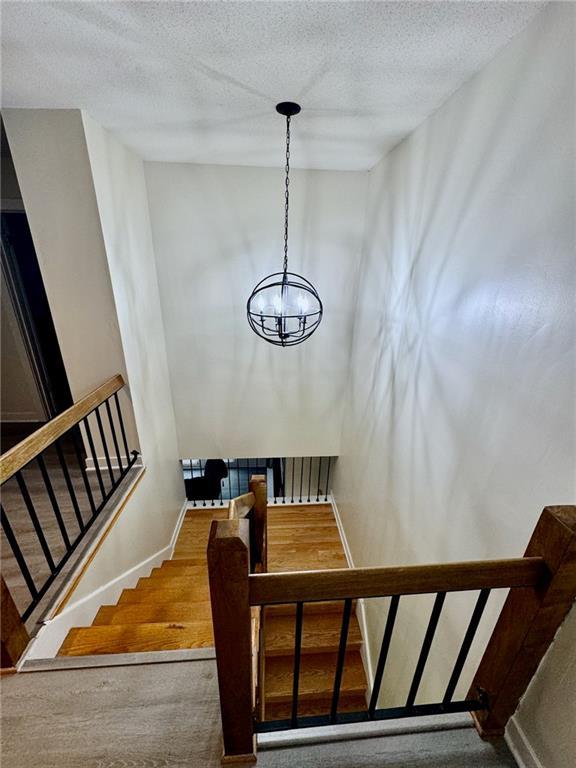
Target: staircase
column 305, row 538
column 168, row 610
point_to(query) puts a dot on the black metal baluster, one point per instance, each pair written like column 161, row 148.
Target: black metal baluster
column 341, row 658
column 94, row 456
column 309, row 476
column 319, row 475
column 204, row 494
column 466, row 643
column 293, row 461
column 69, row 485
column 428, row 637
column 104, row 445
column 122, row 430
column 238, row 465
column 297, row 651
column 301, row 476
column 114, row 438
column 83, row 471
column 20, row 559
column 192, row 477
column 53, row 500
column 229, row 479
column 35, row 521
column 328, row 479
column 392, row 611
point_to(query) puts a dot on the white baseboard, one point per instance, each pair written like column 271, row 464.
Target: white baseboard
column 185, row 507
column 360, row 606
column 50, row 637
column 520, row 746
column 103, row 464
column 286, row 501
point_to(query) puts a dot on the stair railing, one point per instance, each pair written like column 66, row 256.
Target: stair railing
column 542, row 588
column 85, row 500
column 295, row 480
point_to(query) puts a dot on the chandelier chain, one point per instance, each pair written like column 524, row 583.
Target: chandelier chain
column 287, row 193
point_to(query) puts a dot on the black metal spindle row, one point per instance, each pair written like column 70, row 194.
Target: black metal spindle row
column 69, row 465
column 294, row 480
column 410, row 708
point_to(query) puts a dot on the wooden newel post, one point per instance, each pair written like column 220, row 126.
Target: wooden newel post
column 260, row 491
column 15, row 637
column 228, row 569
column 528, row 622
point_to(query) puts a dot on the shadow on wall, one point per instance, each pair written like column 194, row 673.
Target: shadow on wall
column 457, row 431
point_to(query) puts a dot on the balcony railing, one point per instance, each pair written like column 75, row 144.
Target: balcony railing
column 290, row 480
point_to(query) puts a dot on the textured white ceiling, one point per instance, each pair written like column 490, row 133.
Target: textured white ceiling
column 198, row 81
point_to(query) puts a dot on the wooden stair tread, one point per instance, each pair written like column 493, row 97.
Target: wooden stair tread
column 164, row 595
column 189, row 572
column 173, row 582
column 317, row 536
column 211, row 513
column 316, row 676
column 347, row 703
column 320, row 634
column 317, row 521
column 184, row 562
column 289, row 609
column 151, row 613
column 136, row 638
column 315, row 561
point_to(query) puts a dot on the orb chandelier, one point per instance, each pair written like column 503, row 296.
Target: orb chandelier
column 284, row 308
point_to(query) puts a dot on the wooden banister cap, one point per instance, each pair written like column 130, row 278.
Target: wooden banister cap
column 229, row 534
column 565, row 514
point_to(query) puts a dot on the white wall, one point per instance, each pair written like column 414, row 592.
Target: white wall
column 49, row 153
column 217, row 231
column 460, row 425
column 87, row 209
column 147, row 522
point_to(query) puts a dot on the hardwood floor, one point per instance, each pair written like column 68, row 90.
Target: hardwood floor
column 303, row 538
column 170, row 609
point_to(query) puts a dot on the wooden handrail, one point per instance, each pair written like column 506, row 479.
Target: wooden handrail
column 339, row 584
column 239, row 507
column 18, row 456
column 542, row 589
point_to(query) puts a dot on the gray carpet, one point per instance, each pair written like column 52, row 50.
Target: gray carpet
column 166, row 716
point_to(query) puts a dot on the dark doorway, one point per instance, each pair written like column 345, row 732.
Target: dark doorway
column 22, row 280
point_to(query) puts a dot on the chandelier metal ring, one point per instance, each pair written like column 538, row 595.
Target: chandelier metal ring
column 284, row 308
